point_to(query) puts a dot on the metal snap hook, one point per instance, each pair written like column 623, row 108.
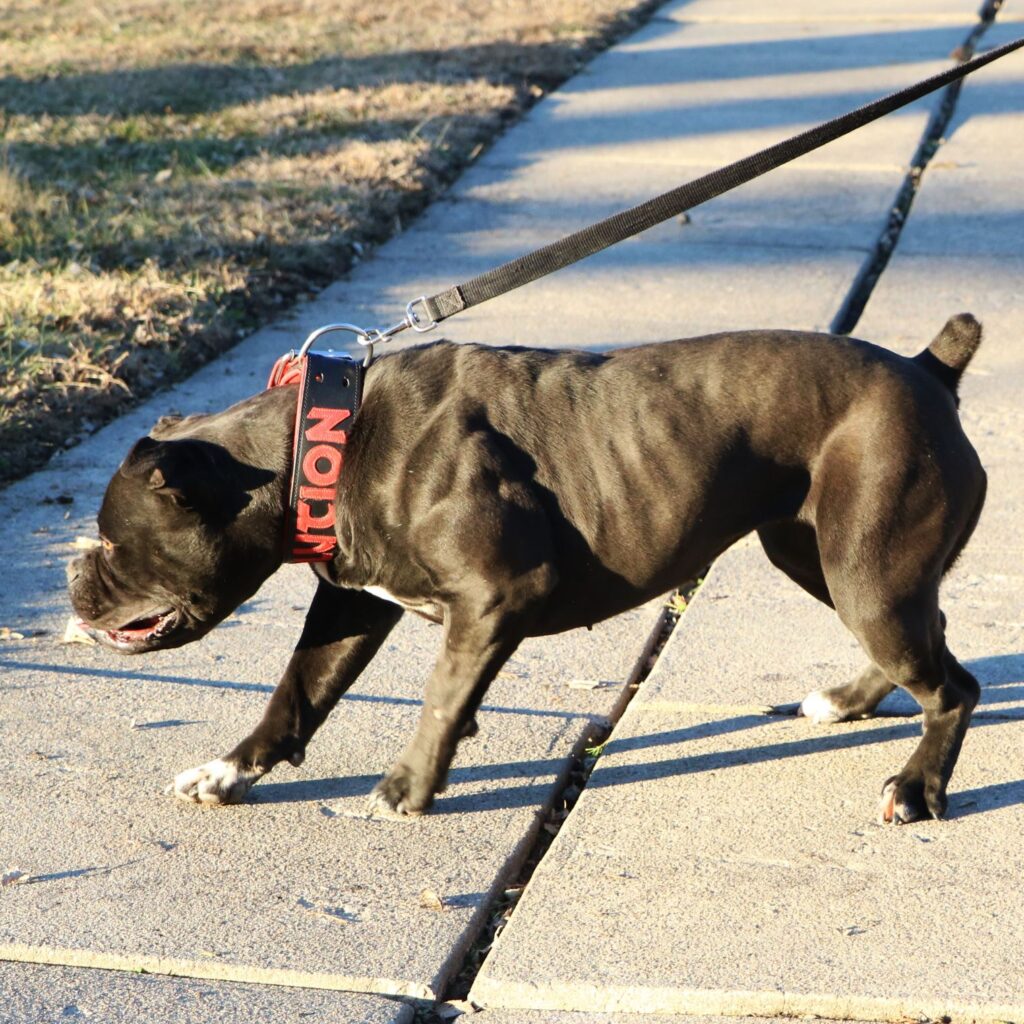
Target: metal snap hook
column 414, row 321
column 373, row 336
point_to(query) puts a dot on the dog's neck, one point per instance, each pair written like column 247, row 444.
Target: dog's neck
column 265, row 436
column 259, row 432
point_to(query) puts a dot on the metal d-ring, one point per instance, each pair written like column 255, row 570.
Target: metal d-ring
column 321, row 331
column 363, row 337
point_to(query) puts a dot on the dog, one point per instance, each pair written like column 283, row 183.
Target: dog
column 516, row 492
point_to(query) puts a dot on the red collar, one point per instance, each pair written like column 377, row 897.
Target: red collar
column 330, row 392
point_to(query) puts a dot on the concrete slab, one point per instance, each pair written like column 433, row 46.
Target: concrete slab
column 296, row 887
column 799, row 205
column 969, row 202
column 972, row 198
column 969, row 218
column 36, row 994
column 735, row 866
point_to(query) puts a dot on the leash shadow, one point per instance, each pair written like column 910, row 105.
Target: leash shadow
column 128, row 675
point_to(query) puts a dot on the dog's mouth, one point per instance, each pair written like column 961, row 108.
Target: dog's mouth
column 143, row 630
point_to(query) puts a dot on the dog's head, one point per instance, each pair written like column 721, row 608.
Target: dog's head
column 188, row 532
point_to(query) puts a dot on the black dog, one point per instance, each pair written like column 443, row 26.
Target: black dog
column 519, row 492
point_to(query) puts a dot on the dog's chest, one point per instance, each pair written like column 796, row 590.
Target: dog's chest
column 425, row 608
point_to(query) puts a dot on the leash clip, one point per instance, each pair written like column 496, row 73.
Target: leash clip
column 374, row 336
column 414, row 321
column 368, row 337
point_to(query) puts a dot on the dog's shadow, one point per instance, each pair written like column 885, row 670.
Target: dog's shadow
column 530, row 784
column 1001, row 677
column 533, row 782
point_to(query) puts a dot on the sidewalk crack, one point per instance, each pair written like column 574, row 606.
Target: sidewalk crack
column 933, row 137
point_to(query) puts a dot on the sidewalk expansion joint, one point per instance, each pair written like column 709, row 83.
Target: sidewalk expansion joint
column 583, row 762
column 931, row 140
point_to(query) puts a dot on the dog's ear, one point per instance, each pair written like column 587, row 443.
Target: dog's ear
column 143, row 457
column 196, row 475
column 178, row 470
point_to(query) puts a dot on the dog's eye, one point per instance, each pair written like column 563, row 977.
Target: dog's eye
column 108, row 545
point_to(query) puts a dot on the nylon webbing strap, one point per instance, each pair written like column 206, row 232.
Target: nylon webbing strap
column 630, row 222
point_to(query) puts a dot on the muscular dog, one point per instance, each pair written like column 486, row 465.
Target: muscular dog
column 511, row 492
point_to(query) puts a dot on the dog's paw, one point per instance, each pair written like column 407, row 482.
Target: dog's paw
column 819, row 707
column 399, row 793
column 907, row 798
column 216, row 782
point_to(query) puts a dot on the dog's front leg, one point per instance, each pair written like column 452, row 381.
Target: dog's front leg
column 343, row 631
column 479, row 638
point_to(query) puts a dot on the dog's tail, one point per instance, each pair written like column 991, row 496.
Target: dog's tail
column 954, row 346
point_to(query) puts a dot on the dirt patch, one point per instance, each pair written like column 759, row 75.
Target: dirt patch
column 174, row 175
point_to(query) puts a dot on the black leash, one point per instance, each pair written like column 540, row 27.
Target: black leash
column 330, row 385
column 620, row 226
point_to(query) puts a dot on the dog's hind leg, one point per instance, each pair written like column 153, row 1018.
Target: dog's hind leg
column 889, row 518
column 904, row 636
column 792, row 546
column 851, row 702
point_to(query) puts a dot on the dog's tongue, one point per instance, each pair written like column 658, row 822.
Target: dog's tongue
column 138, row 627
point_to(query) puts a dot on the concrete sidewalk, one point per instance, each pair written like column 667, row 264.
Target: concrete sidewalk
column 810, row 908
column 731, row 854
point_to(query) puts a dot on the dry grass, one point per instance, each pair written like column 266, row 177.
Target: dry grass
column 173, row 174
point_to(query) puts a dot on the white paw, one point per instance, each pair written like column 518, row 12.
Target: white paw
column 216, row 782
column 818, row 707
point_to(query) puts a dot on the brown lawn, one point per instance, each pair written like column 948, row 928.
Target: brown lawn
column 174, row 174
